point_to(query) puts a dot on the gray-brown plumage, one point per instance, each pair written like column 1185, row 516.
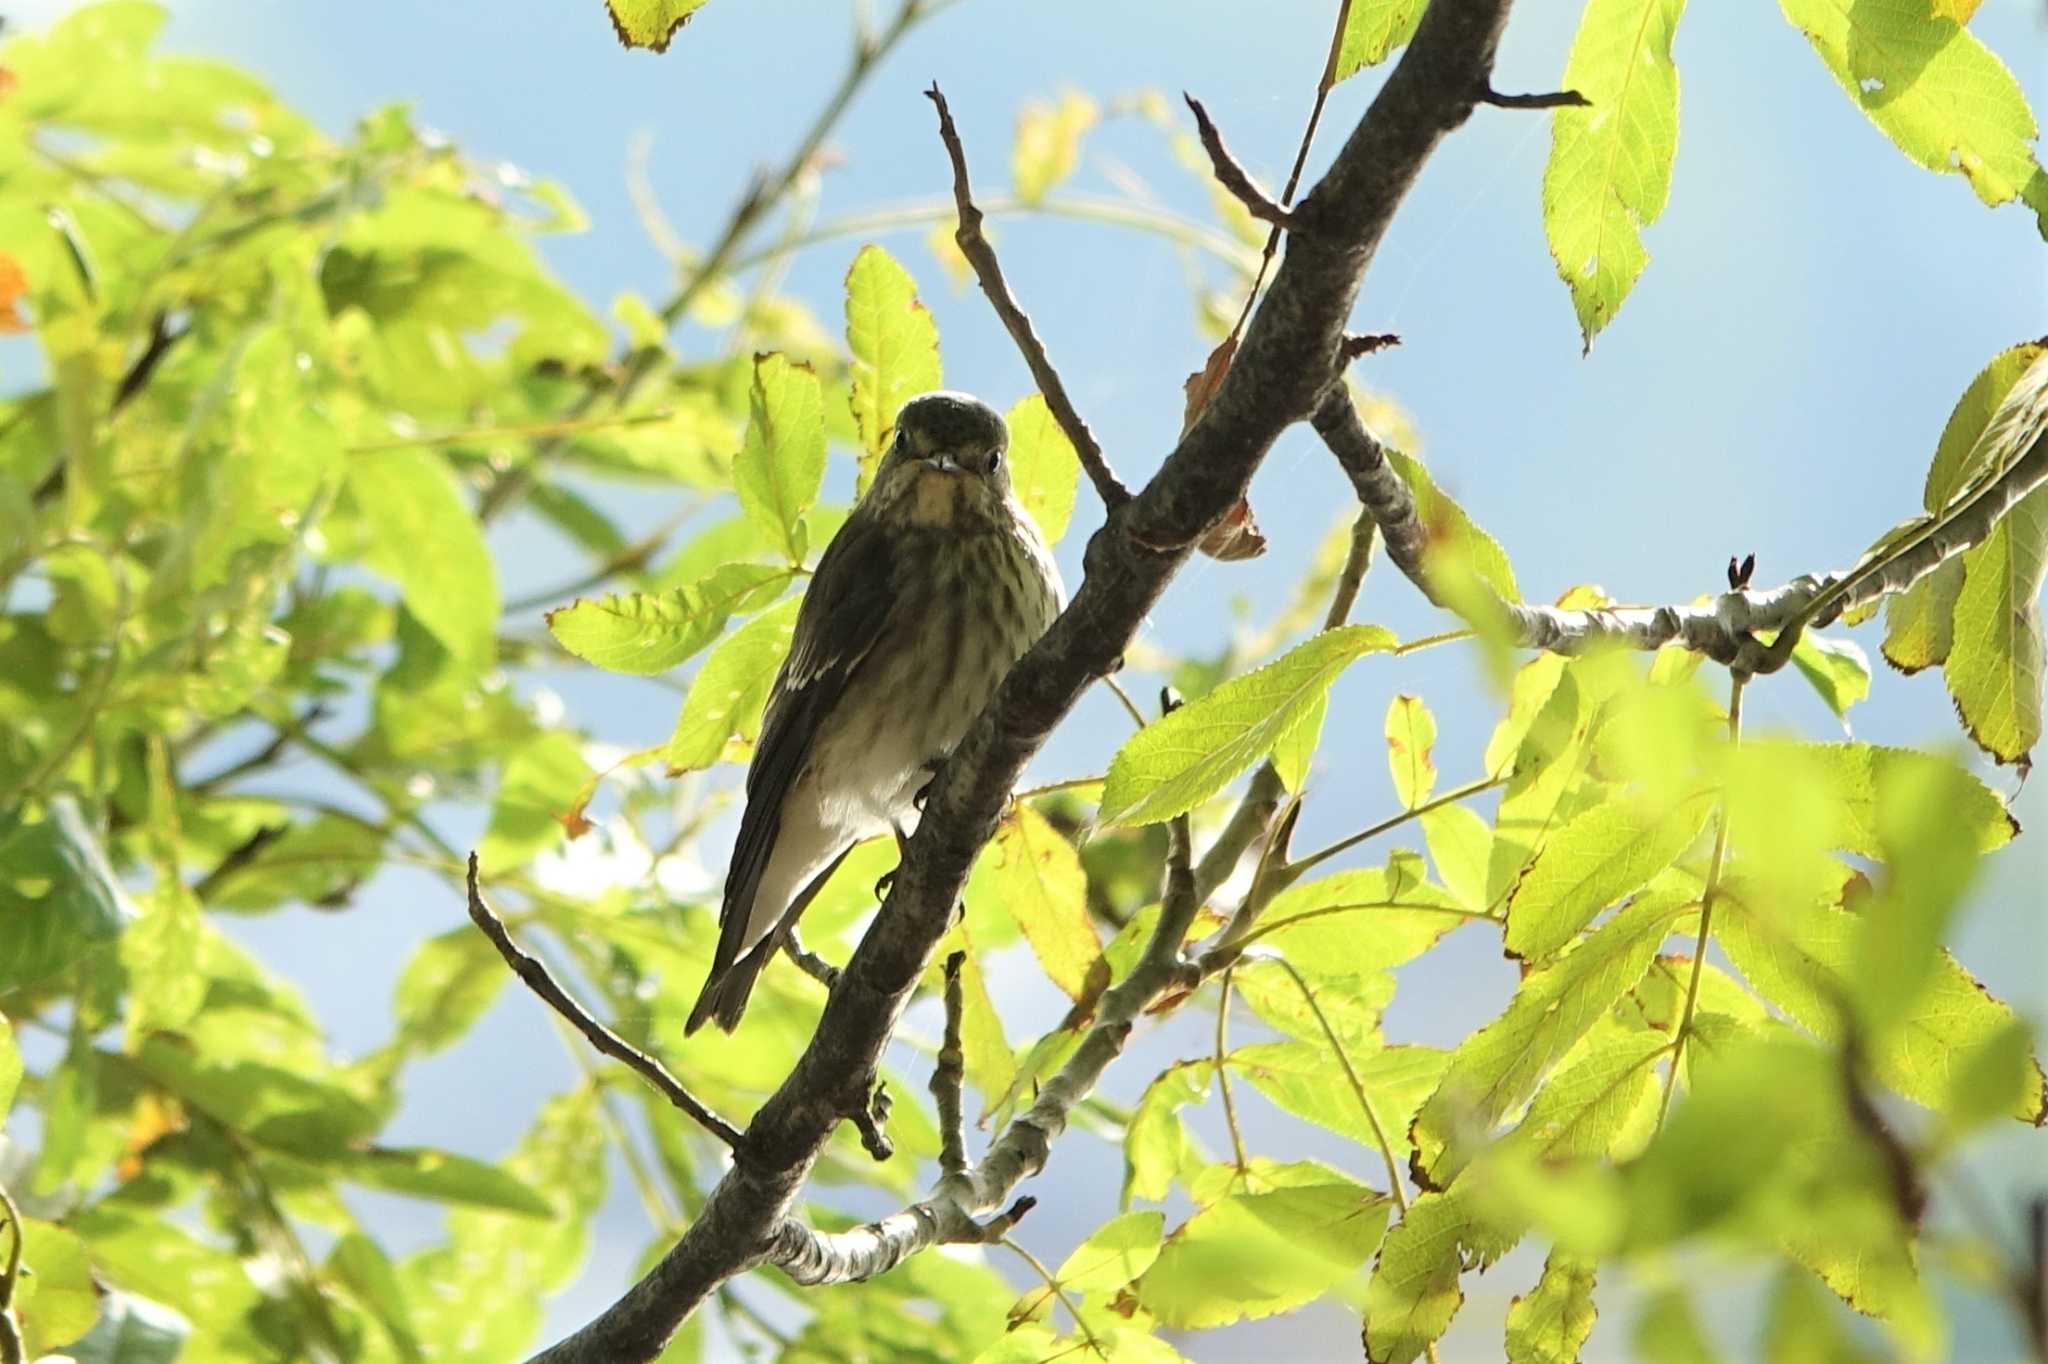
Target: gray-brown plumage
column 935, row 585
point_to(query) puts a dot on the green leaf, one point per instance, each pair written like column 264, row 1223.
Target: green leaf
column 1802, row 1327
column 1599, row 1104
column 1294, row 750
column 160, row 952
column 1157, row 1147
column 1940, row 95
column 782, row 461
column 1048, row 143
column 731, row 689
column 1411, row 749
column 1044, row 470
column 543, row 780
column 1606, row 852
column 990, row 1064
column 1456, row 543
column 1040, row 880
column 1609, row 172
column 1358, row 922
column 1800, row 959
column 152, row 1258
column 10, row 1066
column 1919, row 622
column 644, row 634
column 361, row 1265
column 1551, row 1323
column 1838, row 669
column 894, row 345
column 422, row 536
column 1304, row 1079
column 55, row 1296
column 1963, row 455
column 59, row 900
column 1179, row 761
column 1460, row 844
column 650, row 23
column 442, row 1176
column 1251, row 1255
column 1414, row 1292
column 1863, row 775
column 271, row 1106
column 1668, row 1331
column 1497, row 1069
column 1115, row 1253
column 1372, row 29
column 446, row 987
column 1995, row 661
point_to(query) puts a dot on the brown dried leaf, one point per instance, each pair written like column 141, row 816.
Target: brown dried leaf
column 1237, row 535
column 13, row 288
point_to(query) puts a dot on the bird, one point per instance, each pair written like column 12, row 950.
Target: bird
column 935, row 585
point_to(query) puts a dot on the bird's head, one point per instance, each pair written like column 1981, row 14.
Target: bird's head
column 947, row 465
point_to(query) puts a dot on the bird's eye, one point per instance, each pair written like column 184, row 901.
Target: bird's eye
column 995, row 461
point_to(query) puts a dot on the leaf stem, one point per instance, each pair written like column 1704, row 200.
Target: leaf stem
column 1394, row 1186
column 1699, row 951
column 1452, row 797
column 1223, row 1075
column 1054, row 1287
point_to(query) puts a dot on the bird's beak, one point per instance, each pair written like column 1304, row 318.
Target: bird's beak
column 946, row 464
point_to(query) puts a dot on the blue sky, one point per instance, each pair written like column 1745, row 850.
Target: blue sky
column 1814, row 305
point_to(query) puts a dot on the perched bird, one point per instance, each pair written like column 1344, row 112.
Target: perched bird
column 935, row 585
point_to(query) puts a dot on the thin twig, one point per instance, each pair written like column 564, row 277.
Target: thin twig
column 1556, row 99
column 1470, row 789
column 809, row 962
column 949, row 1074
column 1233, row 176
column 989, row 271
column 536, row 978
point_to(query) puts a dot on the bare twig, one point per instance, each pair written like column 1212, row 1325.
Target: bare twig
column 1233, row 176
column 536, row 978
column 1556, row 99
column 1370, row 343
column 870, row 1118
column 949, row 1074
column 989, row 271
column 809, row 962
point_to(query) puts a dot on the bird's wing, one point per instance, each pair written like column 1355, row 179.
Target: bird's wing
column 842, row 614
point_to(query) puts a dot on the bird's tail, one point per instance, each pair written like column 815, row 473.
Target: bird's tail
column 725, row 993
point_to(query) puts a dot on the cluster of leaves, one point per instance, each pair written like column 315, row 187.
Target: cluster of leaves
column 254, row 645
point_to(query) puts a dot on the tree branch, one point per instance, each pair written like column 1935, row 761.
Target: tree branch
column 1288, row 358
column 536, row 977
column 1724, row 630
column 989, row 271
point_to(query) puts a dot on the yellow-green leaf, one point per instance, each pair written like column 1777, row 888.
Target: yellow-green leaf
column 1044, row 470
column 423, row 536
column 1607, row 851
column 1551, row 1323
column 1372, row 29
column 646, row 633
column 895, row 348
column 1411, row 749
column 1048, row 143
column 1250, row 1255
column 782, row 461
column 731, row 689
column 1039, row 877
column 650, row 23
column 1610, row 162
column 1940, row 95
column 1414, row 1292
column 1176, row 763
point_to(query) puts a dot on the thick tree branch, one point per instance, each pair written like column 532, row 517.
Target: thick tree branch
column 988, row 270
column 536, row 977
column 1724, row 629
column 1288, row 358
